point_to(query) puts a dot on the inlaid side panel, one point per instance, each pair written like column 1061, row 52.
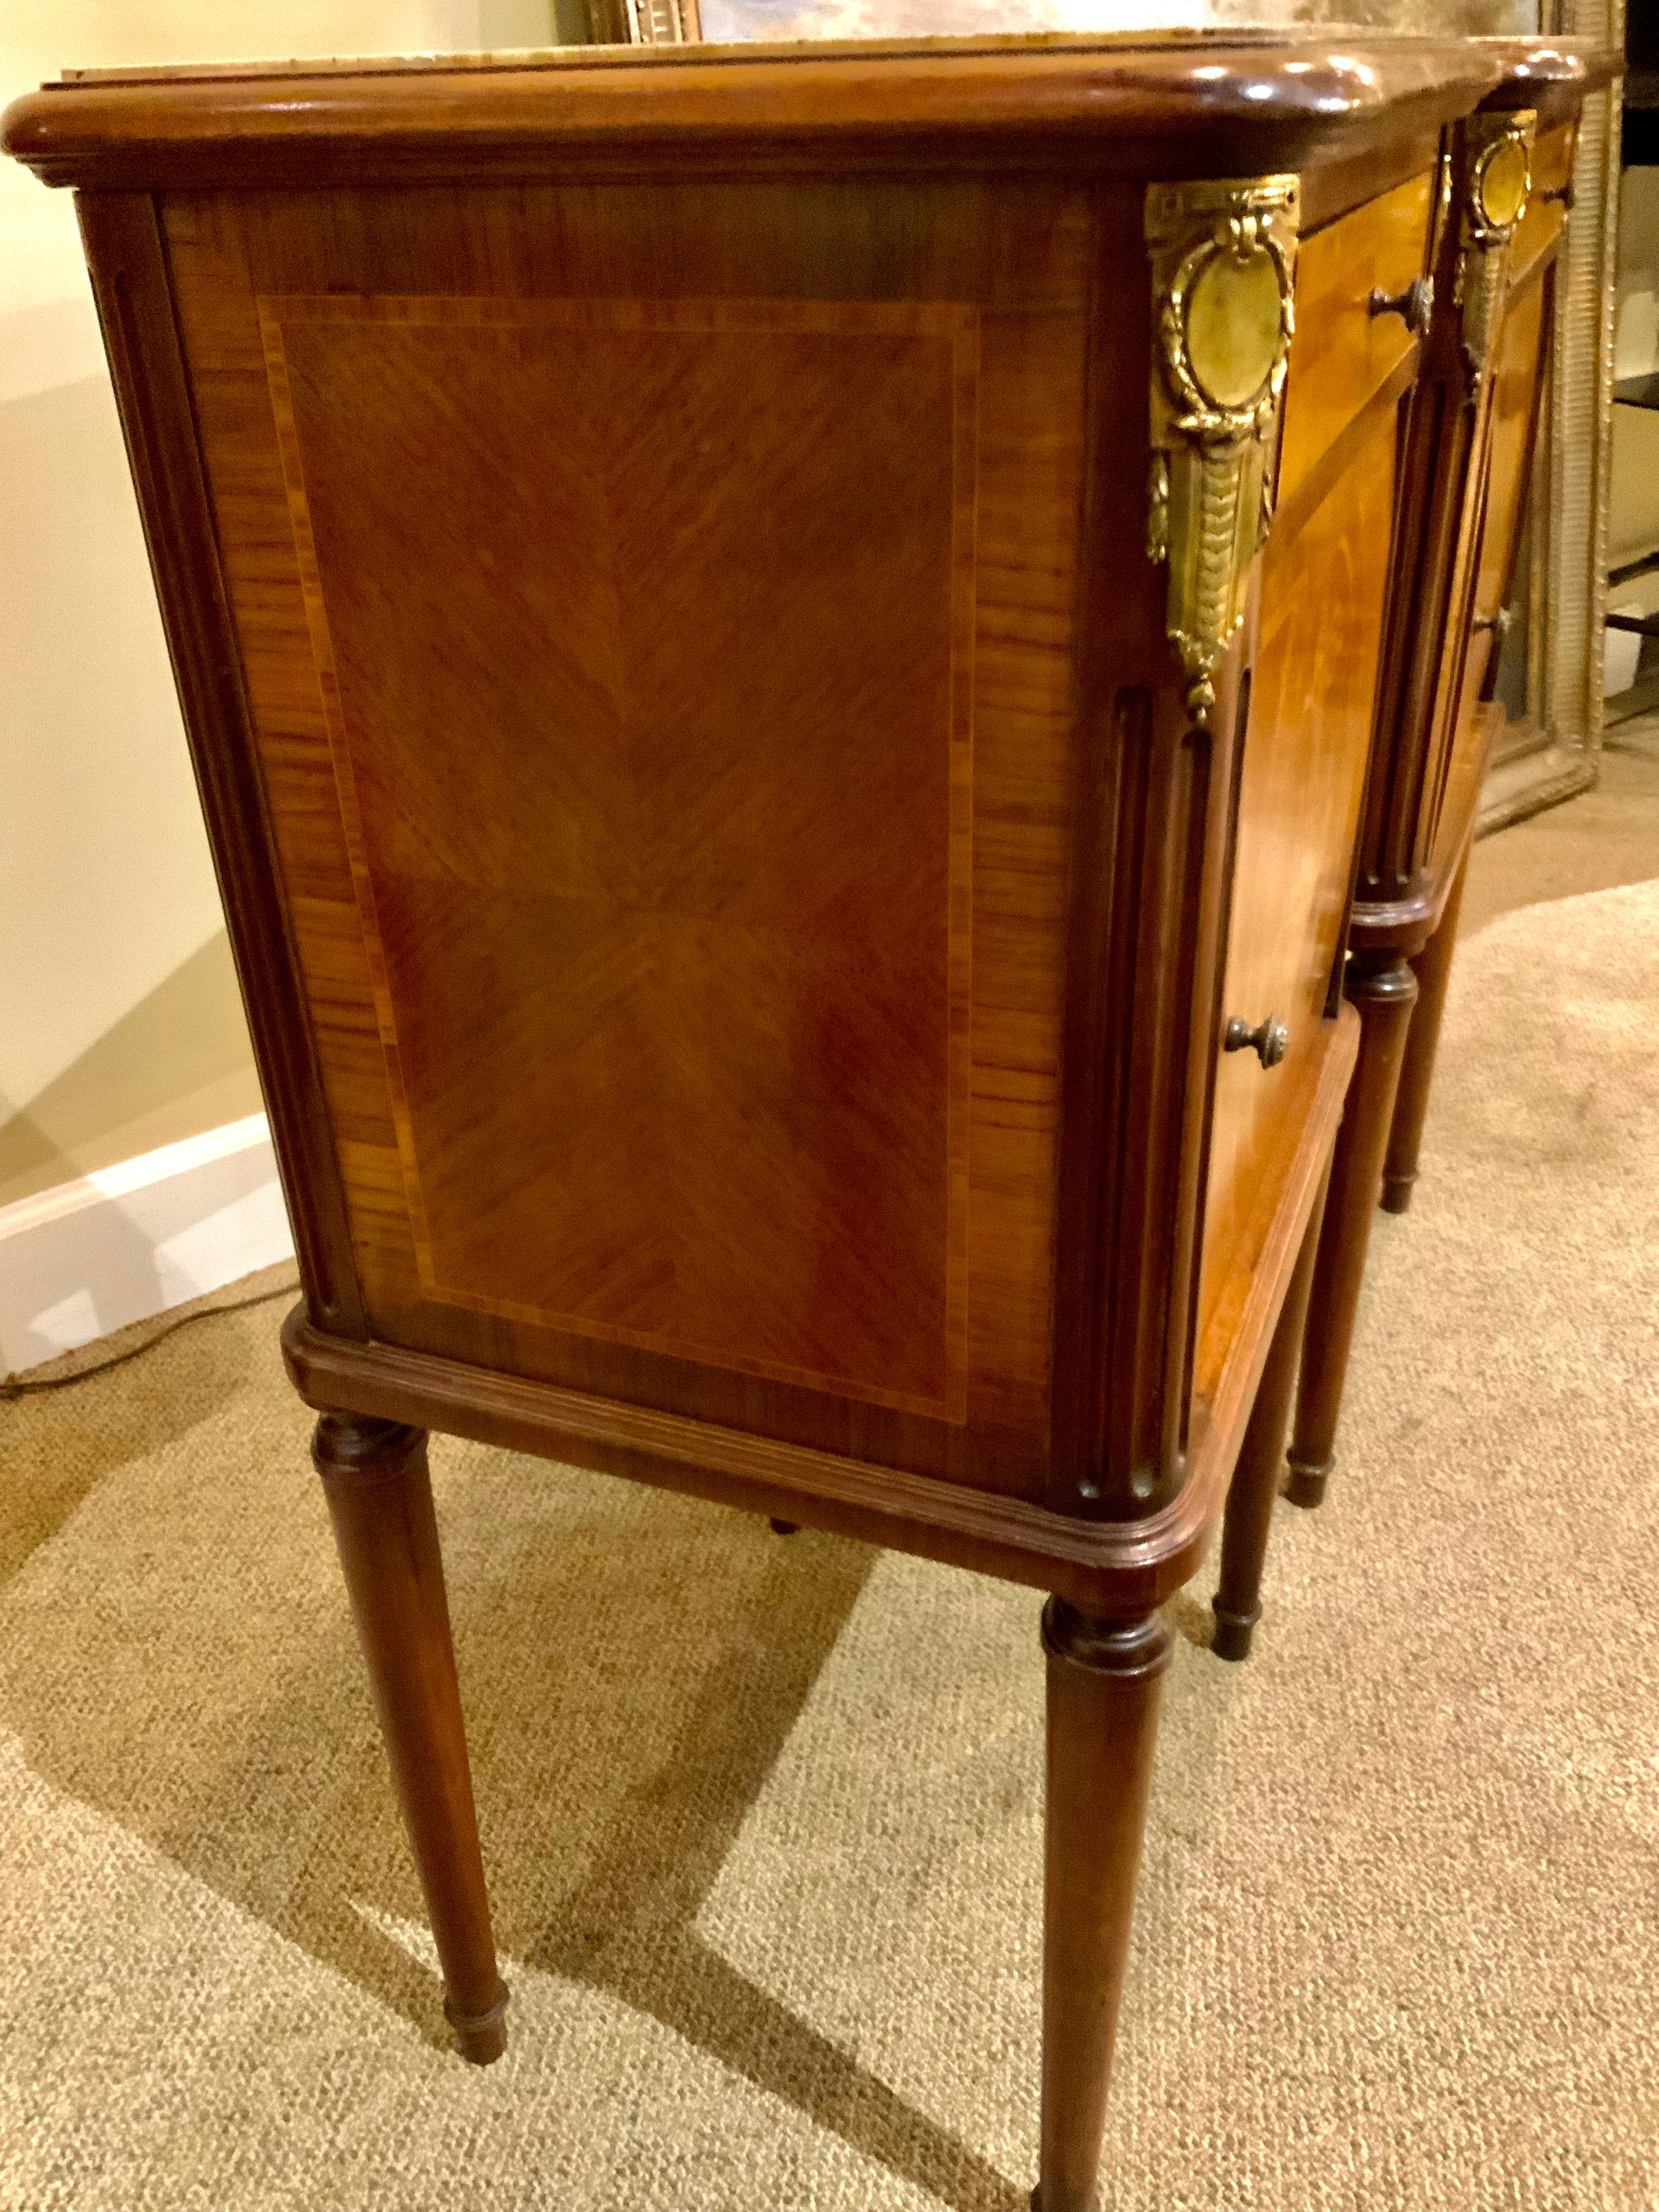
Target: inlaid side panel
column 1302, row 781
column 644, row 636
column 569, row 988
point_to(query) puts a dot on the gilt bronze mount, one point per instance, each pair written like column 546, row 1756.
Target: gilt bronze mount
column 1498, row 182
column 1224, row 273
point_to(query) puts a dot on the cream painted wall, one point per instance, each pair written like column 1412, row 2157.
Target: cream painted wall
column 1633, row 506
column 120, row 1024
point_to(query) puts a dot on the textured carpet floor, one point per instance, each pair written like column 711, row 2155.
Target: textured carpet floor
column 762, row 1818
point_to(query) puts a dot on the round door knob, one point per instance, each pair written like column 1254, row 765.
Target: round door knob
column 1269, row 1039
column 1413, row 306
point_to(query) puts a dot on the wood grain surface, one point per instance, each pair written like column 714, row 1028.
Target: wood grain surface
column 640, row 962
column 1226, row 103
column 131, row 284
column 1304, row 777
column 863, row 828
column 671, row 955
column 1349, row 354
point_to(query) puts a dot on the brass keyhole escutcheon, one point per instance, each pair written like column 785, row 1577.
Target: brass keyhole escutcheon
column 1269, row 1039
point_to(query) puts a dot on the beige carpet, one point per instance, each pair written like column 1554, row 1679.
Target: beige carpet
column 762, row 1818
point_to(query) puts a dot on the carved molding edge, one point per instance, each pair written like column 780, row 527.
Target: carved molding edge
column 1223, row 273
column 1496, row 182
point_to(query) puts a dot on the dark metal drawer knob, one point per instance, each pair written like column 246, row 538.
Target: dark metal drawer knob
column 1269, row 1041
column 1413, row 306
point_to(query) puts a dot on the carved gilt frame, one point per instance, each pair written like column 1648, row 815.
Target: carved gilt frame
column 643, row 23
column 1565, row 677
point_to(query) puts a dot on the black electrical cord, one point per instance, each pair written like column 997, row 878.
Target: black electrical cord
column 14, row 1386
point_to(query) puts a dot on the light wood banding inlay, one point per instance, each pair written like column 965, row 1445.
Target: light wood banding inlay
column 687, row 898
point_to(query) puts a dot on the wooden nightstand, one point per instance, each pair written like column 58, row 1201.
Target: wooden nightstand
column 788, row 859
column 1467, row 457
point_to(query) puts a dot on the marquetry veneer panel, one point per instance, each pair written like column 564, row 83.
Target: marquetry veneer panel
column 558, row 1157
column 671, row 954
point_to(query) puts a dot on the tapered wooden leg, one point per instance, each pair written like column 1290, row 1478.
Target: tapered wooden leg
column 1433, row 967
column 1384, row 989
column 380, row 1496
column 1238, row 1601
column 1105, row 1679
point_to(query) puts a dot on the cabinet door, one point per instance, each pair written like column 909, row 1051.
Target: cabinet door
column 1468, row 671
column 1303, row 765
column 1472, row 725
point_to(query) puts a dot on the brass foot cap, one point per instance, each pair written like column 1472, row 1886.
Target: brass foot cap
column 480, row 2037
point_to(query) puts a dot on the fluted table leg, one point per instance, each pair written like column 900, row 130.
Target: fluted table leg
column 1433, row 967
column 380, row 1496
column 1105, row 1680
column 1238, row 1601
column 1384, row 989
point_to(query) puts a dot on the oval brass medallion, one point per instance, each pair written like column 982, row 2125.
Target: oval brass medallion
column 1233, row 326
column 1504, row 181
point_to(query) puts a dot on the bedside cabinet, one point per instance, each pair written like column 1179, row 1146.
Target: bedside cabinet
column 1467, row 455
column 787, row 846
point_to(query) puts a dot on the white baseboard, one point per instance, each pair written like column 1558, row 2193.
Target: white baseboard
column 91, row 1255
